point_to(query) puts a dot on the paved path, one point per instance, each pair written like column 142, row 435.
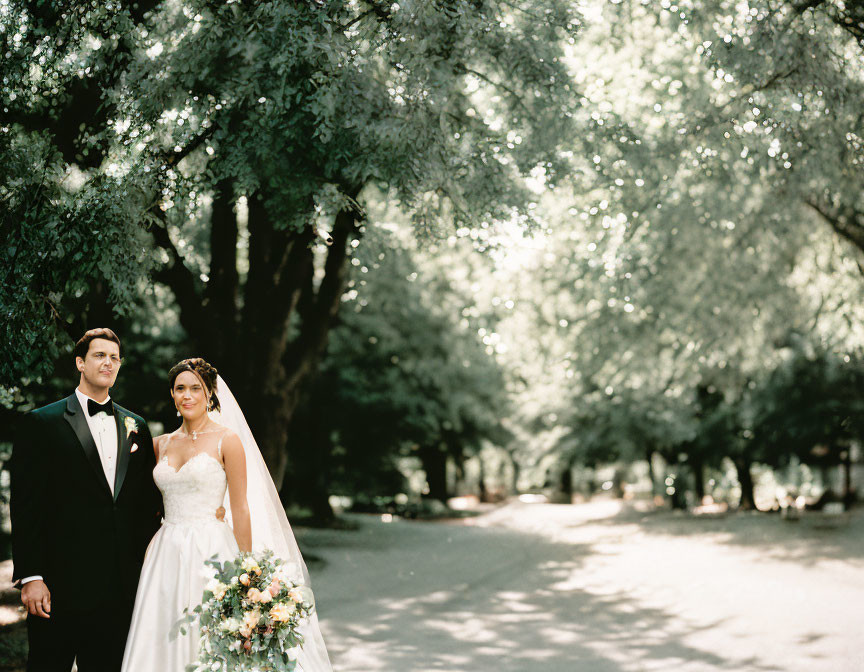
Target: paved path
column 591, row 588
column 586, row 588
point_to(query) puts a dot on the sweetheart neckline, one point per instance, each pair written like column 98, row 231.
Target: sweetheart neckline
column 177, row 471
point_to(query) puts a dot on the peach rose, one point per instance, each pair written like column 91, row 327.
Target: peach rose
column 264, row 596
column 250, row 620
column 274, row 587
column 244, row 579
column 253, row 594
column 280, row 613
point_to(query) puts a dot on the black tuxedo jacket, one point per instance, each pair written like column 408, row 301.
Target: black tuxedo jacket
column 86, row 543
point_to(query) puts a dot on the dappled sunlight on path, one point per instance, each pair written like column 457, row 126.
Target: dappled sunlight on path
column 554, row 588
column 597, row 587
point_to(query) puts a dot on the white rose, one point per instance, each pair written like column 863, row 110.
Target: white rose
column 304, row 593
column 250, row 565
column 231, row 625
column 289, row 572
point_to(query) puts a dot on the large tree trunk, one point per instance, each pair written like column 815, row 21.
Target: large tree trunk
column 698, row 477
column 848, row 493
column 745, row 479
column 652, row 476
column 459, row 473
column 309, row 480
column 517, row 472
column 251, row 346
column 678, row 499
column 434, row 460
column 482, row 491
column 567, row 481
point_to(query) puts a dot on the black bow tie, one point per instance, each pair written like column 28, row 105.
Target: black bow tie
column 94, row 407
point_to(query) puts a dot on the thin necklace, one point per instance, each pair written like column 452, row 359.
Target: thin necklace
column 195, row 433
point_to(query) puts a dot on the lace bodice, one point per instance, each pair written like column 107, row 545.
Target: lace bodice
column 192, row 493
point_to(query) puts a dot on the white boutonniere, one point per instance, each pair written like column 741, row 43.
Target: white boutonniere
column 131, row 426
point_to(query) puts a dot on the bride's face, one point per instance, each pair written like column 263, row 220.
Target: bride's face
column 190, row 396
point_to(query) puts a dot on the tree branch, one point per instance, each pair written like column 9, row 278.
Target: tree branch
column 317, row 315
column 180, row 279
column 847, row 225
column 195, row 143
column 516, row 97
column 356, row 19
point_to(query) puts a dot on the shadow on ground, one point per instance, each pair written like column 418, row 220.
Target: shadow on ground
column 802, row 542
column 501, row 600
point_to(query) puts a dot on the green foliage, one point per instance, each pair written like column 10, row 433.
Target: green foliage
column 146, row 108
column 58, row 243
column 627, row 426
column 809, row 407
column 681, row 254
column 673, row 160
column 400, row 372
column 238, row 630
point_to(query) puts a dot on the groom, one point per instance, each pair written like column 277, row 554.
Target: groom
column 83, row 508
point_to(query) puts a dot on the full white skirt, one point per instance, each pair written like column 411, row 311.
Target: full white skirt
column 173, row 579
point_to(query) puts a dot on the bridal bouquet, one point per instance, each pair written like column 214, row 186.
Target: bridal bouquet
column 250, row 615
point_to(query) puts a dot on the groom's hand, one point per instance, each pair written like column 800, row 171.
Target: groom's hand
column 37, row 598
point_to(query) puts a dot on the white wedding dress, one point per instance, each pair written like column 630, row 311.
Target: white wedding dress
column 173, row 576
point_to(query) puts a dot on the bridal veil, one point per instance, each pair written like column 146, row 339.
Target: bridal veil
column 270, row 526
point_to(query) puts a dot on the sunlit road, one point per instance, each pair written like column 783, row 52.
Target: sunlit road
column 591, row 588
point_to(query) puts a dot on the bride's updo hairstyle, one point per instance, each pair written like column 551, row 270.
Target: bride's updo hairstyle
column 205, row 371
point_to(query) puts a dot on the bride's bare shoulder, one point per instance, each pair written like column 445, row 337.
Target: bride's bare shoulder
column 224, row 433
column 230, row 442
column 159, row 444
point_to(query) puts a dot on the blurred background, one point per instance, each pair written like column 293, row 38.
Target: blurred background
column 546, row 315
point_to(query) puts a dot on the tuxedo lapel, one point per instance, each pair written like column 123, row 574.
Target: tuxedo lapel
column 75, row 417
column 124, row 446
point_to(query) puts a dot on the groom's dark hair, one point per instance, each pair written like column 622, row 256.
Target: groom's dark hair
column 83, row 344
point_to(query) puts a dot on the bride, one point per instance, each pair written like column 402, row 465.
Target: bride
column 211, row 461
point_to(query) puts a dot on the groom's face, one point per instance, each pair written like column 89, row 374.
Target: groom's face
column 100, row 365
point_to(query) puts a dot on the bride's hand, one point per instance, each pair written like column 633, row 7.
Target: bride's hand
column 220, row 513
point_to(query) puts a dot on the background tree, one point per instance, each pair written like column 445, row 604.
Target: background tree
column 810, row 408
column 230, row 133
column 401, row 378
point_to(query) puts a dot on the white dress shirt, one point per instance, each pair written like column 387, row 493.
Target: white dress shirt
column 103, row 427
